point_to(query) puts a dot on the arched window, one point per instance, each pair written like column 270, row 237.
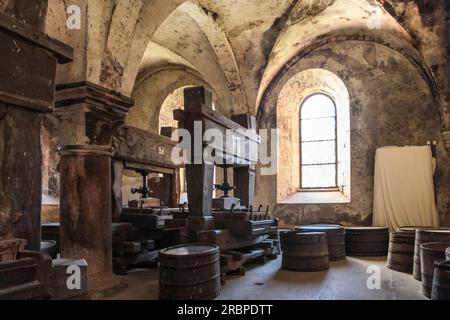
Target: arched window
column 319, row 147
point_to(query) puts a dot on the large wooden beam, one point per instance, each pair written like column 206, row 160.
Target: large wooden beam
column 27, row 89
column 28, row 60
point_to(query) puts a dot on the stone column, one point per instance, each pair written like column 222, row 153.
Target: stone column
column 90, row 115
column 28, row 60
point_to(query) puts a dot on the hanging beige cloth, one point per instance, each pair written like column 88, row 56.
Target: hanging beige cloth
column 404, row 189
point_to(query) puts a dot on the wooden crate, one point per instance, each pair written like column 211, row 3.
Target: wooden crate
column 10, row 248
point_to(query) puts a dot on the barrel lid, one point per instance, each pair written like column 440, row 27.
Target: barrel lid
column 441, row 230
column 319, row 227
column 311, row 234
column 403, row 234
column 307, row 234
column 51, row 225
column 366, row 228
column 436, row 246
column 413, row 228
column 191, row 250
column 45, row 244
column 304, row 237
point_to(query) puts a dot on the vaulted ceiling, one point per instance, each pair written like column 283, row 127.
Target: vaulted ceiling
column 239, row 47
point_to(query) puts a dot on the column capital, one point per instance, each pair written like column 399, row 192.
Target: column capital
column 95, row 97
column 90, row 113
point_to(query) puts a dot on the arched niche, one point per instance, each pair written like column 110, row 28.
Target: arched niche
column 291, row 97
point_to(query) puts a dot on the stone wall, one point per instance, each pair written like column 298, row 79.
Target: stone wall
column 391, row 104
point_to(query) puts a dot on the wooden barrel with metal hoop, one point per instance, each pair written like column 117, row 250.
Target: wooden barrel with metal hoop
column 50, row 248
column 441, row 281
column 366, row 241
column 401, row 251
column 282, row 234
column 430, row 253
column 305, row 252
column 335, row 238
column 426, row 236
column 412, row 229
column 189, row 272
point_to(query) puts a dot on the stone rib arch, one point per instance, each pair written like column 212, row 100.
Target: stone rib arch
column 364, row 21
column 159, row 84
column 410, row 54
column 223, row 50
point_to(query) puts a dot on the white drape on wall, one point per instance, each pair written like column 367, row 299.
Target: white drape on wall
column 404, row 189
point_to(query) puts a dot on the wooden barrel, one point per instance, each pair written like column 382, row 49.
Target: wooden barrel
column 367, row 241
column 189, row 272
column 282, row 234
column 441, row 281
column 430, row 253
column 401, row 251
column 335, row 238
column 305, row 252
column 50, row 248
column 425, row 236
column 50, row 232
column 412, row 229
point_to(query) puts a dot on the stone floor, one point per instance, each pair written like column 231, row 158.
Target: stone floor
column 345, row 280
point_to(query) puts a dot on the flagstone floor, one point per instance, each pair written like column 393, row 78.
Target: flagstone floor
column 345, row 280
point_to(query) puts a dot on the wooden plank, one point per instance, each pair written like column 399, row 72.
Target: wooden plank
column 226, row 240
column 139, row 148
column 127, row 247
column 148, row 166
column 121, row 231
column 244, row 179
column 17, row 28
column 144, row 221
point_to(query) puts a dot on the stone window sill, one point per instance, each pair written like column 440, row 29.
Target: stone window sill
column 332, row 197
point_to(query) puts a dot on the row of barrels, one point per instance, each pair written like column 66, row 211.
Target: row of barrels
column 192, row 272
column 311, row 248
column 422, row 252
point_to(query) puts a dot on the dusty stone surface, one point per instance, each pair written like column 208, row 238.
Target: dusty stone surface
column 390, row 105
column 173, row 102
column 146, row 112
column 346, row 280
column 50, row 157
